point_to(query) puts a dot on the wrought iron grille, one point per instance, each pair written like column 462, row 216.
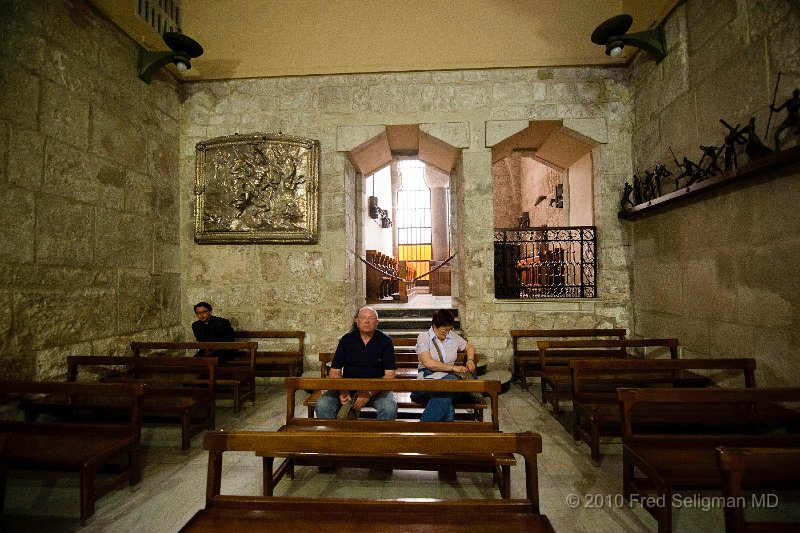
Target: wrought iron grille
column 545, row 262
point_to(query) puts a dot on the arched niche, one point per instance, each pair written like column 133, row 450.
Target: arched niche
column 382, row 151
column 545, row 170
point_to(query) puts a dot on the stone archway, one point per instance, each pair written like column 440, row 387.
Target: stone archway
column 384, row 148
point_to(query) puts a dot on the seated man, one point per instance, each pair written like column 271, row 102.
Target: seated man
column 364, row 352
column 437, row 350
column 210, row 328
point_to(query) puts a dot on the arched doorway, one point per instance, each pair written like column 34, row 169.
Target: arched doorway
column 404, row 206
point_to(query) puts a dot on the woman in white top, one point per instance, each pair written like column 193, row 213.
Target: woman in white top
column 437, row 350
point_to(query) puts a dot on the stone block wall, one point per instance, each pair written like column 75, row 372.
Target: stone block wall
column 89, row 248
column 720, row 271
column 317, row 288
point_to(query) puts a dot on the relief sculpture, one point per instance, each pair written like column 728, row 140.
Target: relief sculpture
column 256, row 188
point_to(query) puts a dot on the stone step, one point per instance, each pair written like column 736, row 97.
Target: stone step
column 407, row 312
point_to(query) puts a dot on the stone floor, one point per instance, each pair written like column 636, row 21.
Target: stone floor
column 173, row 487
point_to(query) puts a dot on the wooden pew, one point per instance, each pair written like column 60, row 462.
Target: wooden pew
column 763, row 469
column 91, row 449
column 407, row 361
column 555, row 356
column 237, row 376
column 406, row 369
column 526, row 355
column 669, row 437
column 256, row 513
column 499, row 465
column 180, row 388
column 595, row 405
column 277, row 359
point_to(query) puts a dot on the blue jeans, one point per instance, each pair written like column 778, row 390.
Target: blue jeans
column 328, row 405
column 438, row 405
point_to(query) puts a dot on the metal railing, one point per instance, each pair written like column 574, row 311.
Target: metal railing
column 546, row 262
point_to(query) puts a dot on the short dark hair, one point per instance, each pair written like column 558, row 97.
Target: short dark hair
column 442, row 317
column 202, row 304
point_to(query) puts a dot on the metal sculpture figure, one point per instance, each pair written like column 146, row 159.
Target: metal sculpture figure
column 626, row 196
column 712, row 168
column 661, row 172
column 792, row 120
column 754, row 148
column 733, row 138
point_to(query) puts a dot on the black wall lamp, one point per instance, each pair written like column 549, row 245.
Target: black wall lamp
column 611, row 34
column 379, row 215
column 183, row 50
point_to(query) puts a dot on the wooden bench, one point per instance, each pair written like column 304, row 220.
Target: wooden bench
column 257, row 513
column 282, row 352
column 405, row 407
column 526, row 354
column 106, row 455
column 235, row 380
column 669, row 437
column 180, row 388
column 555, row 356
column 595, row 404
column 763, row 469
column 407, row 361
column 499, row 465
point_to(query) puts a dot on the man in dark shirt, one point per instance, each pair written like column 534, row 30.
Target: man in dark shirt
column 210, row 328
column 364, row 352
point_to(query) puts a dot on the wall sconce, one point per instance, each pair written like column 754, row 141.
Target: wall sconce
column 183, row 50
column 611, row 34
column 381, row 216
column 558, row 197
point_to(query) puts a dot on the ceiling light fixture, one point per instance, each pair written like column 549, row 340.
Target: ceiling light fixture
column 611, row 34
column 183, row 50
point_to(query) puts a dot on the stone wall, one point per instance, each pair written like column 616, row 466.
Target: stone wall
column 720, row 271
column 317, row 288
column 89, row 249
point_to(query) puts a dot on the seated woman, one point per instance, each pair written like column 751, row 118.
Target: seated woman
column 437, row 350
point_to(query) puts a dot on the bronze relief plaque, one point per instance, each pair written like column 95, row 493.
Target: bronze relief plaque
column 257, row 188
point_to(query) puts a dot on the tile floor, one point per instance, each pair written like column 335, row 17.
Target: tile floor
column 173, row 487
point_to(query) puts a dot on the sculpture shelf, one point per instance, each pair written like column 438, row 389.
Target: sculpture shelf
column 751, row 170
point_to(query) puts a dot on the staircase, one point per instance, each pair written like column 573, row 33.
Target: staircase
column 408, row 323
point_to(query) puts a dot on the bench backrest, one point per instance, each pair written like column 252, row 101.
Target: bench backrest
column 403, row 359
column 361, row 444
column 489, row 388
column 128, row 394
column 251, row 347
column 560, row 353
column 154, row 367
column 523, row 340
column 587, row 373
column 297, row 348
column 697, row 415
column 764, row 468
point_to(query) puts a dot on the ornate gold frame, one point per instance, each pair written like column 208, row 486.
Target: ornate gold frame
column 256, row 188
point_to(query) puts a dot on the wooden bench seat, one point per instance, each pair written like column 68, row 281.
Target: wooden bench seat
column 555, row 356
column 407, row 362
column 405, row 407
column 762, row 470
column 235, row 380
column 254, row 513
column 106, row 455
column 281, row 354
column 498, row 466
column 178, row 388
column 670, row 435
column 526, row 361
column 595, row 403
